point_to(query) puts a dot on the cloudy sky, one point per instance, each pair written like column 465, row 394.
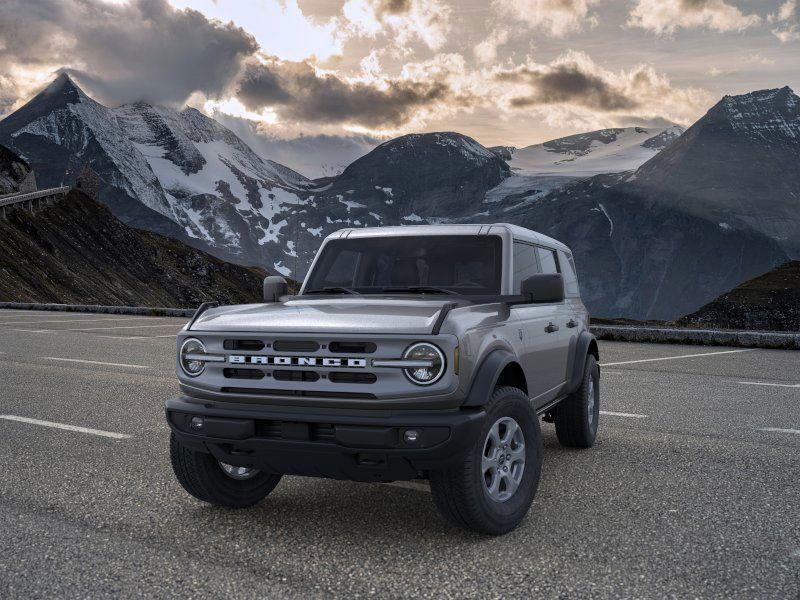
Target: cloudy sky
column 503, row 71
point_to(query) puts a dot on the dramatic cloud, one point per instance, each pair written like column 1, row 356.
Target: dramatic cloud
column 557, row 17
column 403, row 20
column 787, row 22
column 486, row 51
column 297, row 91
column 144, row 49
column 573, row 84
column 664, row 17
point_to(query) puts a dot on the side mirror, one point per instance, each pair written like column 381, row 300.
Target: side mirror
column 275, row 286
column 544, row 287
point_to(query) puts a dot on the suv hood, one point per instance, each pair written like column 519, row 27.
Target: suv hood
column 341, row 315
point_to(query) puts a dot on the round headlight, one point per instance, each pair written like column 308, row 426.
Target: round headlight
column 192, row 347
column 425, row 352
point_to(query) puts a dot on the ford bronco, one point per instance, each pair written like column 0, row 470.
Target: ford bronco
column 409, row 352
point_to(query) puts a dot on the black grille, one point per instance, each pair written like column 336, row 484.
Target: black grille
column 348, row 377
column 243, row 373
column 286, row 375
column 317, row 432
column 300, row 393
column 247, row 345
column 352, row 347
column 295, row 346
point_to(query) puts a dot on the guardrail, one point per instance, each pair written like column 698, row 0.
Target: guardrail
column 7, row 200
column 707, row 337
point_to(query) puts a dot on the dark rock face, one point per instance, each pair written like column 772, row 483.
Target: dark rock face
column 14, row 172
column 642, row 259
column 768, row 302
column 430, row 175
column 75, row 251
column 738, row 165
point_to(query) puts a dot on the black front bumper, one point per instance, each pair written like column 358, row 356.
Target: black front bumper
column 355, row 445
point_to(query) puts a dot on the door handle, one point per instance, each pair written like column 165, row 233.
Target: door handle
column 551, row 328
column 571, row 323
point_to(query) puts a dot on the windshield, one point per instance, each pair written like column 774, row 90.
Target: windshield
column 460, row 264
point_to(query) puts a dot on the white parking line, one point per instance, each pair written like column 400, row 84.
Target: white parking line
column 94, row 362
column 98, row 328
column 622, row 414
column 784, row 385
column 136, row 337
column 779, row 430
column 644, row 360
column 78, row 320
column 100, row 432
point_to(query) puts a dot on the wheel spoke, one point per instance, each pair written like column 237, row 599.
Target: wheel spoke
column 511, row 430
column 488, row 462
column 511, row 484
column 517, row 453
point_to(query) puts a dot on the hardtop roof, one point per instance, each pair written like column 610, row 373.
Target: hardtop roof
column 519, row 233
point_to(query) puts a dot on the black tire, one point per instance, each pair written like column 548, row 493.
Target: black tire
column 460, row 492
column 574, row 427
column 201, row 475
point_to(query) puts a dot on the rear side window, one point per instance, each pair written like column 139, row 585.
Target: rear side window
column 525, row 264
column 547, row 260
column 570, row 276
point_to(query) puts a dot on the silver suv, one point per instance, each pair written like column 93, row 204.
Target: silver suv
column 409, row 352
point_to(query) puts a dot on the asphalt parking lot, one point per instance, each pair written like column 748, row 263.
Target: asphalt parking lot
column 692, row 490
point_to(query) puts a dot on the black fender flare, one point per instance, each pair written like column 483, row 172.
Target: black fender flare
column 486, row 376
column 583, row 347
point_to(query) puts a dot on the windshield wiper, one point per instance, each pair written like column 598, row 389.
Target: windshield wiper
column 420, row 289
column 333, row 290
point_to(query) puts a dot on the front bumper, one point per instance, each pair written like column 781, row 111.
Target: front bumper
column 356, row 445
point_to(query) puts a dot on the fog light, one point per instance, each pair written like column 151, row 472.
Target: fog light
column 411, row 436
column 196, row 423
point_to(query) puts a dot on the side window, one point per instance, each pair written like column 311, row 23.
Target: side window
column 570, row 276
column 525, row 264
column 547, row 258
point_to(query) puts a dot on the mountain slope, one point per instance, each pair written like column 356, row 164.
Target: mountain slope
column 594, row 153
column 738, row 165
column 75, row 251
column 768, row 302
column 175, row 172
column 642, row 259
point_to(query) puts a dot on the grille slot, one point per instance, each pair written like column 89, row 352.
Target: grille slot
column 246, row 345
column 295, row 346
column 352, row 347
column 350, row 377
column 298, row 393
column 318, row 432
column 243, row 373
column 286, row 375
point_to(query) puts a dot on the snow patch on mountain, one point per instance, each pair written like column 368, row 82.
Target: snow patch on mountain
column 593, row 153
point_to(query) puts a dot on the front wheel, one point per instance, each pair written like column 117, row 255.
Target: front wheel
column 491, row 487
column 218, row 483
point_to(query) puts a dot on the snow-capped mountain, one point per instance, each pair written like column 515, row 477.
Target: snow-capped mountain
column 593, row 153
column 739, row 165
column 315, row 156
column 717, row 206
column 177, row 172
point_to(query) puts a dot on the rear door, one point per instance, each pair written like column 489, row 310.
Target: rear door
column 555, row 334
column 531, row 321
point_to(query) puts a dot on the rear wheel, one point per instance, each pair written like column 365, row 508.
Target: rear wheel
column 218, row 483
column 576, row 417
column 492, row 486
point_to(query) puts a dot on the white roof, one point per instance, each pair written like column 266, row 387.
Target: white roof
column 519, row 233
